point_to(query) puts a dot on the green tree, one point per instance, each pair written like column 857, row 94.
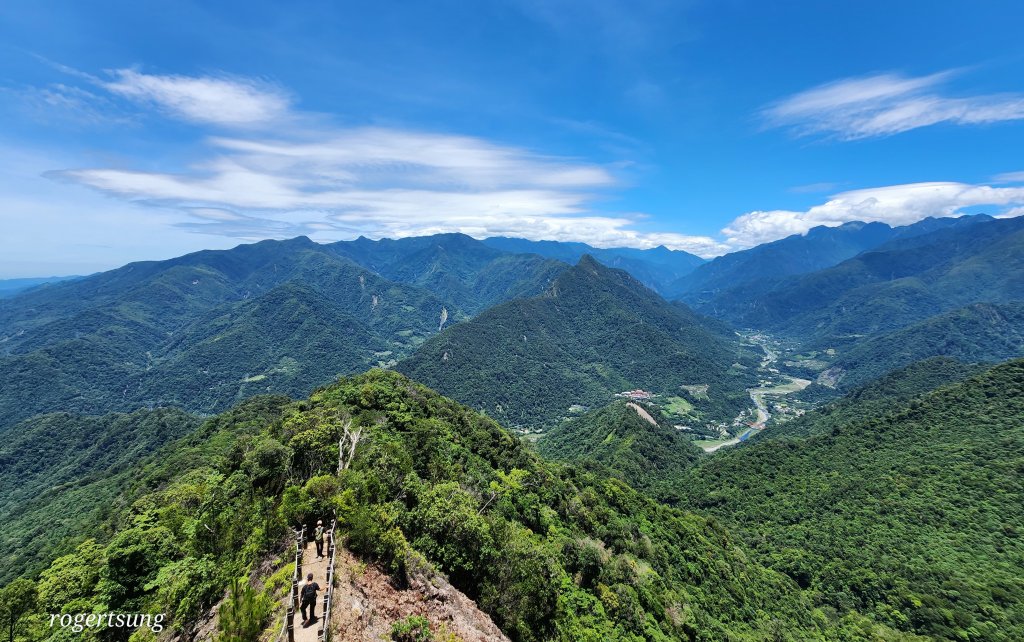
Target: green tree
column 17, row 600
column 243, row 613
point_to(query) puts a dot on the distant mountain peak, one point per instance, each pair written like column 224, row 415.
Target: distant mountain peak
column 590, row 264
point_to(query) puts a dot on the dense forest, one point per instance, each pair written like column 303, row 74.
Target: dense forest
column 595, row 332
column 888, row 506
column 913, row 515
column 631, row 440
column 549, row 551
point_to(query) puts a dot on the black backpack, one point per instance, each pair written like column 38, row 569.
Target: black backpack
column 309, row 592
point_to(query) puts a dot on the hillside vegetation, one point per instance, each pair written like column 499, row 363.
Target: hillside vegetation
column 61, row 473
column 208, row 329
column 549, row 552
column 978, row 333
column 913, row 516
column 649, row 456
column 595, row 332
column 894, row 285
column 657, row 268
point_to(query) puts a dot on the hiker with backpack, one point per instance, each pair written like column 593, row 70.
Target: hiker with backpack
column 308, row 595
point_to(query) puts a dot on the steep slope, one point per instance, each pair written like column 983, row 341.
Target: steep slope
column 631, row 440
column 876, row 397
column 289, row 340
column 548, row 552
column 913, row 515
column 896, row 284
column 981, row 332
column 595, row 332
column 59, row 471
column 191, row 330
column 70, row 478
column 656, row 268
column 733, row 277
column 471, row 275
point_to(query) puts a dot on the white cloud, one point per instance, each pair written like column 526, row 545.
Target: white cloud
column 386, row 182
column 895, row 205
column 1009, row 177
column 221, row 101
column 886, row 104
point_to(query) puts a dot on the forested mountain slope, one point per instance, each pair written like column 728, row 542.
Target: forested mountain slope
column 595, row 332
column 10, row 287
column 913, row 515
column 205, row 330
column 727, row 279
column 632, row 440
column 877, row 397
column 548, row 551
column 980, row 332
column 897, row 284
column 468, row 273
column 656, row 268
column 60, row 471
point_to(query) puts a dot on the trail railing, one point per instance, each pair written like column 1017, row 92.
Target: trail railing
column 324, row 634
column 288, row 631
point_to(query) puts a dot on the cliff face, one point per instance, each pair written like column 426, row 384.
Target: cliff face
column 367, row 604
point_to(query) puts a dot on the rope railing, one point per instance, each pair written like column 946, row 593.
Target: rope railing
column 293, row 594
column 324, row 634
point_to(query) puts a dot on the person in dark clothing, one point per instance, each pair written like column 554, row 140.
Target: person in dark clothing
column 308, row 596
column 318, row 539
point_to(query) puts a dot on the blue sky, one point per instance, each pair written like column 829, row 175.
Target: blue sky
column 146, row 130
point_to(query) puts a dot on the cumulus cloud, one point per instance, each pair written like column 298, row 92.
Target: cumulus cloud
column 204, row 99
column 886, row 104
column 894, row 204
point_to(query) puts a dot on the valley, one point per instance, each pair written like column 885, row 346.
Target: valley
column 774, row 386
column 522, row 434
column 512, row 321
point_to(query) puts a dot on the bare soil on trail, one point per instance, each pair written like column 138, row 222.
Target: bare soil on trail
column 367, row 603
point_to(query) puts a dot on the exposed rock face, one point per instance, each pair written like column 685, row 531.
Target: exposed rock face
column 366, row 603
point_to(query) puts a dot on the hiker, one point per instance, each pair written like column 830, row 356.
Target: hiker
column 318, row 538
column 308, row 595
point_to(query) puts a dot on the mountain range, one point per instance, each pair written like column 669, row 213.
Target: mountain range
column 205, row 330
column 893, row 285
column 657, row 268
column 727, row 280
column 144, row 467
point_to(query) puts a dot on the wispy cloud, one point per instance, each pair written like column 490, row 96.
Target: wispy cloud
column 894, row 204
column 334, row 182
column 886, row 104
column 1009, row 177
column 813, row 188
column 219, row 100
